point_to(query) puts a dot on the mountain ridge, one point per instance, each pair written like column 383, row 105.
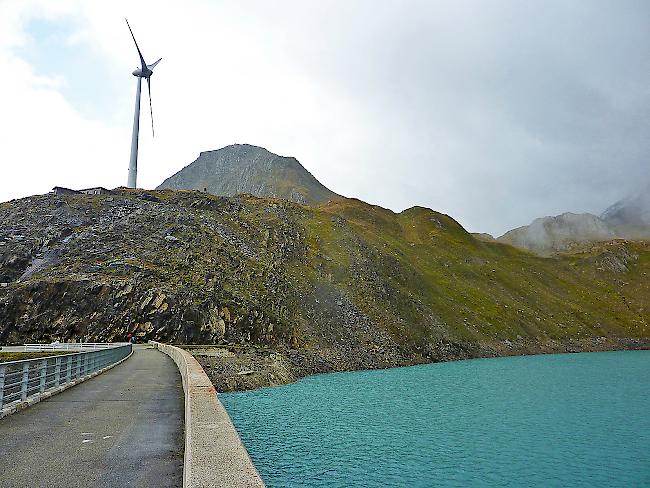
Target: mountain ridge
column 247, row 169
column 301, row 280
column 341, row 286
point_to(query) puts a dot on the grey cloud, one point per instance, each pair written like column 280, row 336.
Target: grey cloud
column 500, row 112
column 495, row 112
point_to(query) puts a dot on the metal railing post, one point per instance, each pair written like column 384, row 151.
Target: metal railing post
column 68, row 372
column 57, row 372
column 25, row 380
column 43, row 375
column 78, row 375
column 2, row 383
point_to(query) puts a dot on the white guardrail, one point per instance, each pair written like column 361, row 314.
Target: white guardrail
column 22, row 379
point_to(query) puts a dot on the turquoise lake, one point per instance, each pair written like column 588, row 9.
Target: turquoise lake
column 578, row 420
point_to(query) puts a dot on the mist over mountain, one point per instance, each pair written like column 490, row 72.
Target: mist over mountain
column 630, row 217
column 246, row 169
column 559, row 233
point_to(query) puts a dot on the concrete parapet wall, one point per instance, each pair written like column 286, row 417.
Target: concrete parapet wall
column 214, row 453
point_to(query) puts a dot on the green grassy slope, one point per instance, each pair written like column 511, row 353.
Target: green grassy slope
column 482, row 290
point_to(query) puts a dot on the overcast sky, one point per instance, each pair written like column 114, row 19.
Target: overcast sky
column 495, row 112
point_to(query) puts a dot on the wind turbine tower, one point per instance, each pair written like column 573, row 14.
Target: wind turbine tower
column 144, row 71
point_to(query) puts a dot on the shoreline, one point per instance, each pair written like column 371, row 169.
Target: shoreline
column 240, row 368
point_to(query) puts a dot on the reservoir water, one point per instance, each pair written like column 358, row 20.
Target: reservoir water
column 579, row 420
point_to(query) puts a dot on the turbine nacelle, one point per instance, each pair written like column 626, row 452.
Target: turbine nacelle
column 140, row 74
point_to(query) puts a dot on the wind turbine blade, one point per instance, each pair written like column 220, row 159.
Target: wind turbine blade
column 150, row 106
column 152, row 66
column 144, row 65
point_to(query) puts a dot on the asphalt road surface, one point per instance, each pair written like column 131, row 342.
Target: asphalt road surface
column 121, row 428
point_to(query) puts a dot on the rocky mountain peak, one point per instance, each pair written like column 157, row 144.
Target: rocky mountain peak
column 243, row 168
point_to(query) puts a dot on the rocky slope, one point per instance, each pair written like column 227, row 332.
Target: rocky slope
column 344, row 285
column 549, row 235
column 242, row 168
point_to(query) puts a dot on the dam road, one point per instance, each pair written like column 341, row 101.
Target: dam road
column 124, row 427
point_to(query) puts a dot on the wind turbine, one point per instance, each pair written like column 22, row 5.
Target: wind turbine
column 145, row 71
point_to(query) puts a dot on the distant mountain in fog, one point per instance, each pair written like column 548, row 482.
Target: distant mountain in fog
column 628, row 218
column 559, row 233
